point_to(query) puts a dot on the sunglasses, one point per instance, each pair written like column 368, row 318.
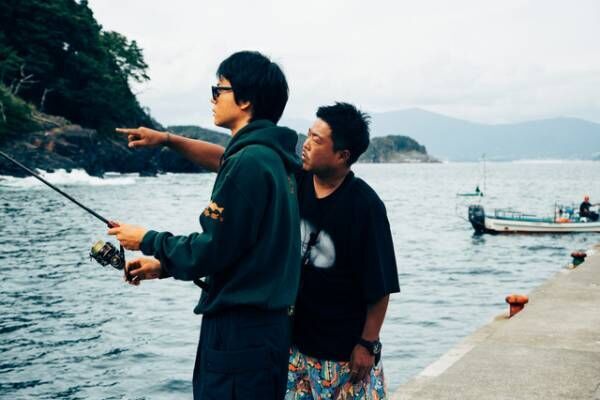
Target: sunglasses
column 216, row 90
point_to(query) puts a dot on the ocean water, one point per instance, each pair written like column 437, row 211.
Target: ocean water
column 71, row 329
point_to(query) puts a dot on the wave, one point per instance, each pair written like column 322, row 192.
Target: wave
column 62, row 177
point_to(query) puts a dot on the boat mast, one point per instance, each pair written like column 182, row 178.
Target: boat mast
column 484, row 187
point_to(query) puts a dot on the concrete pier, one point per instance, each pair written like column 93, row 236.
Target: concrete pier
column 550, row 350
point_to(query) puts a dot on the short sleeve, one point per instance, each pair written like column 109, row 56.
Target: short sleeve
column 377, row 267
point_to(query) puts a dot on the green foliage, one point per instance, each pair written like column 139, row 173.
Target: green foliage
column 9, row 60
column 15, row 114
column 128, row 56
column 54, row 55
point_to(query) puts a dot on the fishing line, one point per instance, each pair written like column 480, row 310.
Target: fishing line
column 35, row 175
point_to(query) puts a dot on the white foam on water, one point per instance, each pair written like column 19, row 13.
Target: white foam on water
column 62, row 177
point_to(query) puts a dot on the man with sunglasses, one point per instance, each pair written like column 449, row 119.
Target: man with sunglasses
column 249, row 250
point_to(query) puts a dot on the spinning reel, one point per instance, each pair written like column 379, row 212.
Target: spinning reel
column 107, row 254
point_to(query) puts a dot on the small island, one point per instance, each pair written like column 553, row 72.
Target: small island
column 396, row 149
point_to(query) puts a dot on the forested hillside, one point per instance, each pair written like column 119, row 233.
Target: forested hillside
column 55, row 56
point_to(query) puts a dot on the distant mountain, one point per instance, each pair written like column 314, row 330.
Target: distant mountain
column 459, row 140
column 456, row 139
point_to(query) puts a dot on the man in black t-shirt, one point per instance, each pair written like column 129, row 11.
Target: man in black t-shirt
column 584, row 210
column 349, row 267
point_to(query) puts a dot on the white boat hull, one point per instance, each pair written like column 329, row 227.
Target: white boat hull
column 507, row 226
column 522, row 223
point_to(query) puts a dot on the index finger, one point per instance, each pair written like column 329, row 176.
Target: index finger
column 125, row 130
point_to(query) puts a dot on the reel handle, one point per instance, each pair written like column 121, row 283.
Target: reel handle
column 125, row 270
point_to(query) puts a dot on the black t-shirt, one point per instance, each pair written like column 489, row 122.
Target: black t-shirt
column 351, row 265
column 584, row 208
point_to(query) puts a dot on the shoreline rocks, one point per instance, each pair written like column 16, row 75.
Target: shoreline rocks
column 62, row 145
column 68, row 146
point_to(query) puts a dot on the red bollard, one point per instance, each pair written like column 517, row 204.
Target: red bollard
column 516, row 302
column 578, row 257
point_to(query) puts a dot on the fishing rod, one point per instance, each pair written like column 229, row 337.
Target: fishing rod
column 103, row 252
column 35, row 175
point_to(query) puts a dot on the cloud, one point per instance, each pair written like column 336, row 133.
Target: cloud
column 490, row 62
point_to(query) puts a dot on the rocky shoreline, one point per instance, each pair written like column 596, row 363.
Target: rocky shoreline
column 59, row 144
column 68, row 146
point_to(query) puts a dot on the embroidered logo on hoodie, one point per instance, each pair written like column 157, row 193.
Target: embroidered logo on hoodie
column 214, row 211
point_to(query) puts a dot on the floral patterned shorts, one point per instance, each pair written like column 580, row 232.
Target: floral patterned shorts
column 311, row 378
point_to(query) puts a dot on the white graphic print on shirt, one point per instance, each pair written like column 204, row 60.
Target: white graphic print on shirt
column 322, row 254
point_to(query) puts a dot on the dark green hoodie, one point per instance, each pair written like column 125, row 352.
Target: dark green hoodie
column 249, row 249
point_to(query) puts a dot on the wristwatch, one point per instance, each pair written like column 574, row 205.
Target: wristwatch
column 373, row 347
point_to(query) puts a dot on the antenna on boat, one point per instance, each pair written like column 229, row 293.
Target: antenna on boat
column 484, row 186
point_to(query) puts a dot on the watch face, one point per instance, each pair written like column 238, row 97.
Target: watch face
column 376, row 347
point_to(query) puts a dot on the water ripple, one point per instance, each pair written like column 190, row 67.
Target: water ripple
column 71, row 329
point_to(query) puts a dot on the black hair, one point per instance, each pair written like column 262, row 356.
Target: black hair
column 258, row 80
column 349, row 128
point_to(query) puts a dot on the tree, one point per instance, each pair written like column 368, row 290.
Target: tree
column 9, row 60
column 127, row 55
column 55, row 55
column 15, row 114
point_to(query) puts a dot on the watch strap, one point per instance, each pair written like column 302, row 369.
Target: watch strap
column 370, row 346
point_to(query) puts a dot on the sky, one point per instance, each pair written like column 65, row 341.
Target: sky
column 484, row 61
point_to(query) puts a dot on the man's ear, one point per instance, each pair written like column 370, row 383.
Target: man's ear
column 245, row 105
column 344, row 155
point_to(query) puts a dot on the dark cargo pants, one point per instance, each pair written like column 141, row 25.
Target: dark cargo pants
column 242, row 354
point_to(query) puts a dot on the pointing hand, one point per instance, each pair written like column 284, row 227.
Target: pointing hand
column 144, row 137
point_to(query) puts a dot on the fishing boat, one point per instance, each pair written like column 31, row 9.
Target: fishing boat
column 477, row 192
column 565, row 220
